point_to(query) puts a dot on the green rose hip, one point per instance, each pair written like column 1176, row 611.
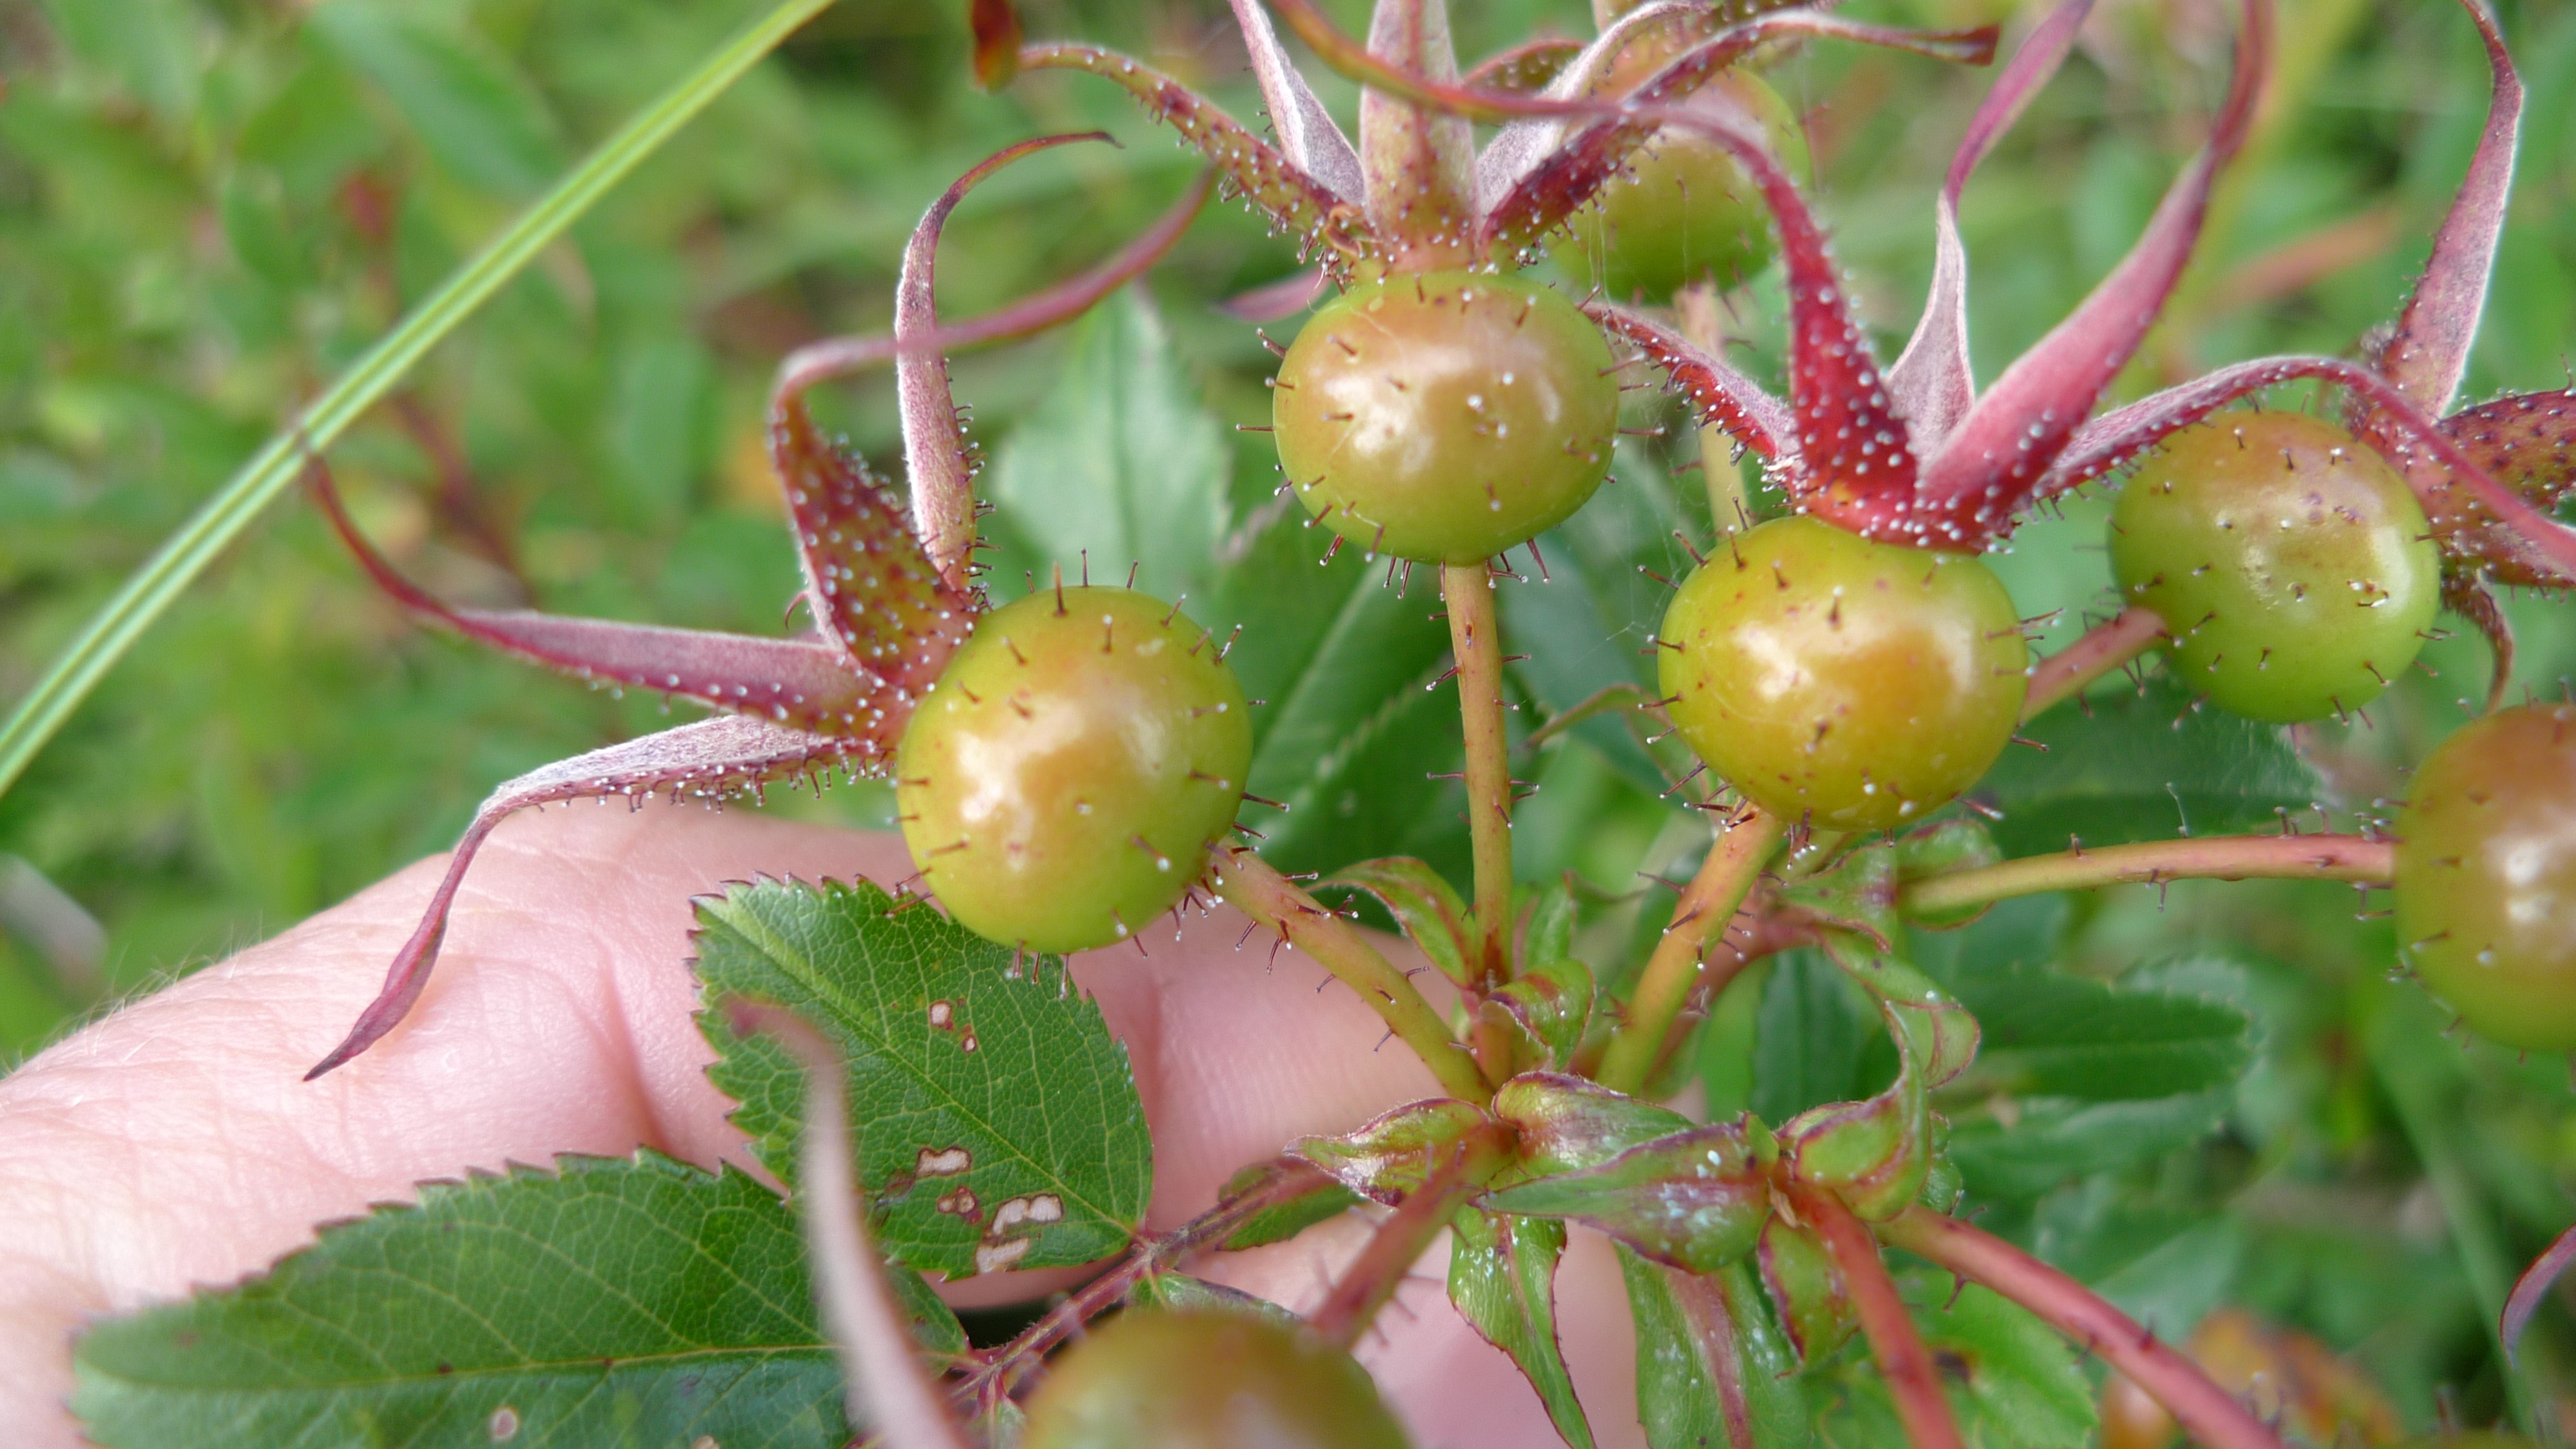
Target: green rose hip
column 2293, row 569
column 1850, row 684
column 1063, row 782
column 1447, row 416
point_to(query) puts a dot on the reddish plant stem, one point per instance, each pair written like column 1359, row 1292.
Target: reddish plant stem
column 888, row 1385
column 1373, row 1276
column 2105, row 647
column 2152, row 862
column 1169, row 1253
column 1250, row 885
column 1707, row 903
column 2208, row 1413
column 1476, row 640
column 1902, row 1359
column 460, row 500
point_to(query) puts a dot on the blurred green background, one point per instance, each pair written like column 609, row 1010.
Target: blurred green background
column 207, row 209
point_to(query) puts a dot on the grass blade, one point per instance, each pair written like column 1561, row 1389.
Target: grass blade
column 179, row 561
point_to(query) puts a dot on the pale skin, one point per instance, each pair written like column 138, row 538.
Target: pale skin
column 174, row 1143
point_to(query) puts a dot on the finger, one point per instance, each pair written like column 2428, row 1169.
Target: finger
column 174, row 1144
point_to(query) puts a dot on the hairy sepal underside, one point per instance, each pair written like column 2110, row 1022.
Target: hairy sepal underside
column 890, row 591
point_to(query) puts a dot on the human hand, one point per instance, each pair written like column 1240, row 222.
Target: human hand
column 174, row 1143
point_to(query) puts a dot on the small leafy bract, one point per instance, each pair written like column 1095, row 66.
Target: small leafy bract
column 1502, row 1277
column 998, row 1123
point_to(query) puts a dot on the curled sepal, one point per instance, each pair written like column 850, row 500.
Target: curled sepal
column 1695, row 1200
column 711, row 759
column 1871, row 1155
column 1578, row 73
column 1502, row 1279
column 1855, row 463
column 936, row 465
column 1989, row 465
column 1035, row 313
column 2429, row 348
column 2468, row 596
column 1720, row 395
column 1807, row 1290
column 2532, row 1287
column 1938, row 849
column 1545, row 1011
column 1942, row 1033
column 874, row 589
column 1566, row 1123
column 2474, row 515
column 1424, row 904
column 996, row 26
column 1294, row 201
column 1932, row 379
column 1395, row 1153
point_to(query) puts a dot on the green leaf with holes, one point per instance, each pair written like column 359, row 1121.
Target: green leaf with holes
column 997, row 1119
column 612, row 1300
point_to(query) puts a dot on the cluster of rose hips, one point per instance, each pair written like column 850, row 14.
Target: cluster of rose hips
column 1069, row 765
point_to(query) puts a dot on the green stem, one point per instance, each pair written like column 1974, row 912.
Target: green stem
column 1476, row 639
column 2105, row 647
column 2153, row 862
column 1250, row 885
column 1734, row 863
column 188, row 553
column 1730, row 507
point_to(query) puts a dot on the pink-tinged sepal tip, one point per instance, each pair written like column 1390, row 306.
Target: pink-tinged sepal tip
column 2428, row 350
column 2532, row 1289
column 1987, row 469
column 710, row 760
column 1932, row 379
